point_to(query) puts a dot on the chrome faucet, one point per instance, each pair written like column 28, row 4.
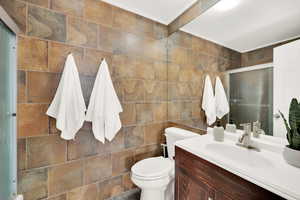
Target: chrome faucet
column 245, row 139
column 256, row 129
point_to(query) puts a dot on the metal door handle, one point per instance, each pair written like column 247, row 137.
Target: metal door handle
column 11, row 114
column 276, row 116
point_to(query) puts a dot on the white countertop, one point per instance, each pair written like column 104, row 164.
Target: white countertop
column 266, row 168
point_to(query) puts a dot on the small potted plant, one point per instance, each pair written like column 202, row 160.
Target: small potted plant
column 291, row 152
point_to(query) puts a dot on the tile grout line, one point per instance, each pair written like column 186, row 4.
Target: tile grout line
column 82, row 159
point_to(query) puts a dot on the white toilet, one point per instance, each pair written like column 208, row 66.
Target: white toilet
column 155, row 176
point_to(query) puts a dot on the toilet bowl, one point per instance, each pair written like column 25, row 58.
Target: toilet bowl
column 153, row 176
column 156, row 176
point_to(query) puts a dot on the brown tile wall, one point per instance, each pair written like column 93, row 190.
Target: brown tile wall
column 190, row 59
column 261, row 56
column 135, row 48
column 257, row 57
column 157, row 78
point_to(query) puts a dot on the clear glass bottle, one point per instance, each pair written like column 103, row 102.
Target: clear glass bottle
column 231, row 127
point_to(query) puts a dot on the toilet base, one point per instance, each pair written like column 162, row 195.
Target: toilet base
column 151, row 194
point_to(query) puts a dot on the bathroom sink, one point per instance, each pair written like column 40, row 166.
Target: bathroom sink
column 240, row 155
column 265, row 168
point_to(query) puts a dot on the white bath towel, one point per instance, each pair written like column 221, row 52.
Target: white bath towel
column 104, row 108
column 19, row 197
column 68, row 105
column 208, row 102
column 222, row 106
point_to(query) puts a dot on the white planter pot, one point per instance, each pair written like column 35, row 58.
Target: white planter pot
column 291, row 156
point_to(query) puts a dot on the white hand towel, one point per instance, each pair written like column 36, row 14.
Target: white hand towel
column 19, row 197
column 222, row 106
column 208, row 102
column 68, row 105
column 104, row 108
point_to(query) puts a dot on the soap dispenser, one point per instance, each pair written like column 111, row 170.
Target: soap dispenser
column 218, row 132
column 231, row 127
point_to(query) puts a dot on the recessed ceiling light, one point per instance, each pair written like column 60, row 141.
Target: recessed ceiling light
column 224, row 5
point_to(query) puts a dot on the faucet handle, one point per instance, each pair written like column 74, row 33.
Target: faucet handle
column 245, row 124
column 257, row 129
column 256, row 125
column 245, row 138
column 246, row 127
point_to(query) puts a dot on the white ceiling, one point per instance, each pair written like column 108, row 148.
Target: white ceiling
column 163, row 11
column 250, row 25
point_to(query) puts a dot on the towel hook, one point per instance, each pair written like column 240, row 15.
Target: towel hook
column 70, row 52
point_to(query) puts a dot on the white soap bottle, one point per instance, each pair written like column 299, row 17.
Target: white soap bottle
column 218, row 132
column 231, row 127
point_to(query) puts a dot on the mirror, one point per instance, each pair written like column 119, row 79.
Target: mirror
column 253, row 46
column 250, row 94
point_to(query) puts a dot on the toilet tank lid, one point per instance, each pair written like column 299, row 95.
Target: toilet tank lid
column 179, row 132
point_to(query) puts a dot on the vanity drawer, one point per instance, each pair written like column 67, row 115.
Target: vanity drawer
column 223, row 182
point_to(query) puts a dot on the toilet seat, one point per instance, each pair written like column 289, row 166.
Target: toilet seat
column 152, row 168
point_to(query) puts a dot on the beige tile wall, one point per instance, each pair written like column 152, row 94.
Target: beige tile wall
column 190, row 59
column 157, row 79
column 135, row 48
column 257, row 57
column 261, row 56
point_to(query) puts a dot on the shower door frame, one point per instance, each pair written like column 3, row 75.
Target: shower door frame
column 250, row 68
column 8, row 21
column 13, row 27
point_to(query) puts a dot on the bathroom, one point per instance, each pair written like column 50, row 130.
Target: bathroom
column 161, row 60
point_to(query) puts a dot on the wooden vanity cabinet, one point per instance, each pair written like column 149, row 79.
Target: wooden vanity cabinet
column 198, row 179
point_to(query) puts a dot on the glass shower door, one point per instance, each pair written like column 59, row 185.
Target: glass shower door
column 7, row 116
column 251, row 97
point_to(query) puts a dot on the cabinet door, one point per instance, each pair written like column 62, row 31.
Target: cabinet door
column 188, row 189
column 196, row 179
column 221, row 196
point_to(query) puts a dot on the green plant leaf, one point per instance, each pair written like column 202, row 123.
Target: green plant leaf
column 294, row 116
column 296, row 142
column 298, row 120
column 288, row 129
column 285, row 121
column 290, row 136
column 293, row 126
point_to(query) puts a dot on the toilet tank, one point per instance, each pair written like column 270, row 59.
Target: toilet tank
column 175, row 134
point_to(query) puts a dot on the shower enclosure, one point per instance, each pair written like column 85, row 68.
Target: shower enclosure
column 7, row 112
column 251, row 96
